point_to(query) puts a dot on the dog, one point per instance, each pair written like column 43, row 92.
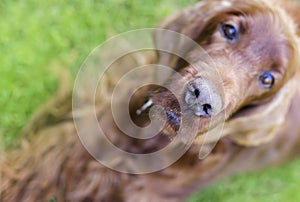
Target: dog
column 252, row 93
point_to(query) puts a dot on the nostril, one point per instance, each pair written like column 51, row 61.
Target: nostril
column 197, row 93
column 207, row 109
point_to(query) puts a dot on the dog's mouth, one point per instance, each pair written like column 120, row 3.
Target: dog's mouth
column 250, row 109
column 168, row 109
column 171, row 114
column 244, row 111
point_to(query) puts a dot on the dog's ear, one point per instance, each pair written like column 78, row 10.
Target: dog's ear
column 190, row 22
column 293, row 8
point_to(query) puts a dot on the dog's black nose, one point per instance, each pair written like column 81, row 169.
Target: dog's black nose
column 203, row 98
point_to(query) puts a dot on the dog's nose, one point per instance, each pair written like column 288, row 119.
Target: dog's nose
column 203, row 97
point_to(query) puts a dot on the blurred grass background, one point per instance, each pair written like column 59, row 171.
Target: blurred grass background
column 37, row 37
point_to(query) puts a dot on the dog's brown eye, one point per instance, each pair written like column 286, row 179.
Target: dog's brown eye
column 229, row 32
column 267, row 80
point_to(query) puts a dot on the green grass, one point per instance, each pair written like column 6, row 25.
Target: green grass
column 279, row 184
column 39, row 37
column 35, row 35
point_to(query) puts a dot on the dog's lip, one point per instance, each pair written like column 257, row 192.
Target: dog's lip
column 173, row 122
column 241, row 112
column 166, row 109
column 170, row 117
column 251, row 108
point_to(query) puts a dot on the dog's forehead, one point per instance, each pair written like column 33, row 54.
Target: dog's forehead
column 268, row 37
column 266, row 23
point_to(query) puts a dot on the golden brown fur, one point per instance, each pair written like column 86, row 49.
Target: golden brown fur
column 52, row 164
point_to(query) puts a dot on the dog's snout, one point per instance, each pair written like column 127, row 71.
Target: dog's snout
column 203, row 98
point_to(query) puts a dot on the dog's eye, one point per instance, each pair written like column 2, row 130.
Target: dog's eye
column 229, row 32
column 267, row 80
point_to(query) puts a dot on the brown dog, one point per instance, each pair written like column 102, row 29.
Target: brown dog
column 255, row 48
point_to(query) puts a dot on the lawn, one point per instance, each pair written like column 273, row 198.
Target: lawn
column 38, row 38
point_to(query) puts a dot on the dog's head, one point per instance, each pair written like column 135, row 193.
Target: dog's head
column 253, row 46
